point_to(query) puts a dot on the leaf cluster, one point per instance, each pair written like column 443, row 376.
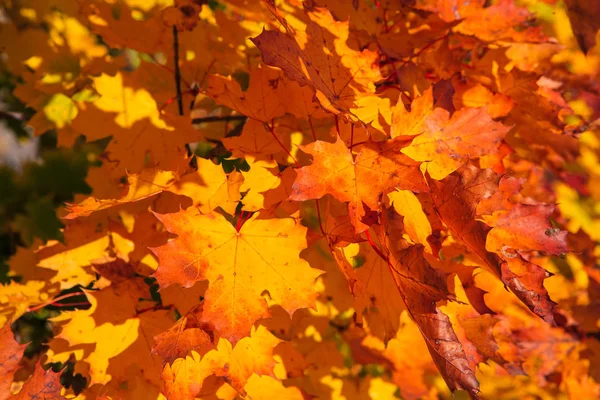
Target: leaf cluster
column 320, row 199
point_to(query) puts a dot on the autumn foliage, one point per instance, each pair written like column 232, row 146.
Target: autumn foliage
column 350, row 199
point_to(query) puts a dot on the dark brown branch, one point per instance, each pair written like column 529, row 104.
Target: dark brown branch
column 193, row 162
column 224, row 118
column 177, row 71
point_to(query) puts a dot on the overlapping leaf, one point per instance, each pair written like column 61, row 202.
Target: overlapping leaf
column 360, row 181
column 448, row 142
column 121, row 336
column 263, row 255
column 320, row 58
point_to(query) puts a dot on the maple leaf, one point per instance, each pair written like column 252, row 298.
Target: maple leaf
column 411, row 123
column 260, row 140
column 10, row 357
column 448, row 142
column 16, row 298
column 141, row 135
column 508, row 192
column 299, row 100
column 498, row 22
column 82, row 244
column 121, row 337
column 377, row 168
column 489, row 23
column 320, row 58
column 148, row 143
column 239, row 266
column 186, row 335
column 479, row 330
column 372, row 285
column 149, row 182
column 526, row 280
column 584, row 23
column 456, row 200
column 186, row 301
column 421, row 287
column 123, row 31
column 236, row 364
column 261, row 101
column 265, row 386
column 453, row 9
column 475, row 95
column 43, row 384
column 265, row 187
column 465, row 273
column 525, row 227
column 405, row 351
column 416, row 224
column 208, row 187
column 361, row 15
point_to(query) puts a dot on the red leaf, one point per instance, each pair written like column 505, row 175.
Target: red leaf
column 11, row 353
column 43, row 384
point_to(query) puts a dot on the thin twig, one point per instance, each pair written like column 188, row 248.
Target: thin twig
column 356, row 144
column 377, row 250
column 177, row 71
column 272, row 129
column 55, row 301
column 319, row 216
column 224, row 118
column 193, row 162
column 312, row 128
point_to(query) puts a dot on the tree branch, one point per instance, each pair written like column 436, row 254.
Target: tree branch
column 177, row 71
column 193, row 162
column 224, row 118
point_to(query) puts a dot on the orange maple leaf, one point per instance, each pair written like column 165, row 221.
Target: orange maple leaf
column 185, row 377
column 321, row 59
column 239, row 266
column 377, row 168
column 448, row 142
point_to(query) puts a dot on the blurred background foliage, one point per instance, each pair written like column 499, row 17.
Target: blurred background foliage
column 36, row 177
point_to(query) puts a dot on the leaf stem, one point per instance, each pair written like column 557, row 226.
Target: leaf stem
column 377, row 249
column 356, row 144
column 312, row 128
column 247, row 218
column 272, row 129
column 238, row 224
column 54, row 301
column 172, row 99
column 319, row 216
